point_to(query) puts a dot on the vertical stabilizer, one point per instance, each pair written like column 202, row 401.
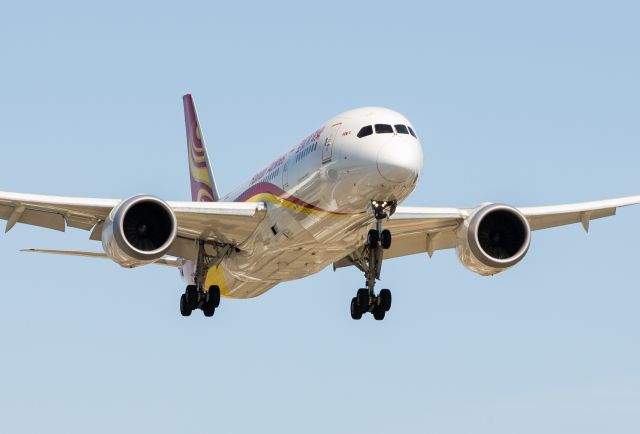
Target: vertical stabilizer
column 203, row 184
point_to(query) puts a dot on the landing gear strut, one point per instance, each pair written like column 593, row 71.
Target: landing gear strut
column 195, row 296
column 378, row 240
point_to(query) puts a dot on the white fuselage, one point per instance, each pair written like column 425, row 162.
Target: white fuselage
column 319, row 194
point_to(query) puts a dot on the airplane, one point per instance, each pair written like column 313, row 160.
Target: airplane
column 334, row 199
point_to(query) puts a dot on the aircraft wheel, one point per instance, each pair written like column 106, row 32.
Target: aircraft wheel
column 385, row 239
column 208, row 310
column 385, row 300
column 355, row 309
column 373, row 238
column 362, row 298
column 192, row 296
column 185, row 310
column 213, row 296
column 378, row 313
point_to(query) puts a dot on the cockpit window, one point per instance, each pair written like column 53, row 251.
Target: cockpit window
column 412, row 133
column 384, row 129
column 401, row 129
column 365, row 131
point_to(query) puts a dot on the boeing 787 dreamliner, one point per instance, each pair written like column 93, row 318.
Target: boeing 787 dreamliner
column 334, row 199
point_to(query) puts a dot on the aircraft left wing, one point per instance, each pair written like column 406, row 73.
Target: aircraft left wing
column 421, row 229
column 222, row 222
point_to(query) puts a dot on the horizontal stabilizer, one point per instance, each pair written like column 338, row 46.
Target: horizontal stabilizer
column 170, row 261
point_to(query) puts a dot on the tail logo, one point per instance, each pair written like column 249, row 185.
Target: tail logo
column 203, row 188
column 200, row 181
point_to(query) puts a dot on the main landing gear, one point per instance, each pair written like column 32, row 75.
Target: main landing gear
column 378, row 240
column 195, row 297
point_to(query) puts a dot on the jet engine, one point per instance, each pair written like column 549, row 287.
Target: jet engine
column 493, row 239
column 139, row 231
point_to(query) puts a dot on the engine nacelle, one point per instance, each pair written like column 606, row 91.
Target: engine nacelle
column 493, row 239
column 139, row 231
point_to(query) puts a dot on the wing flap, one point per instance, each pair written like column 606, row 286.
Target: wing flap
column 419, row 230
column 421, row 242
column 43, row 219
column 20, row 214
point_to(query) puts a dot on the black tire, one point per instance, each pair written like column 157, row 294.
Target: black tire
column 362, row 298
column 184, row 306
column 192, row 296
column 385, row 300
column 378, row 313
column 373, row 238
column 355, row 310
column 208, row 310
column 385, row 239
column 213, row 296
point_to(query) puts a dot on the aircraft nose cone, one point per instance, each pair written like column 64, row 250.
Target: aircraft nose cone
column 400, row 160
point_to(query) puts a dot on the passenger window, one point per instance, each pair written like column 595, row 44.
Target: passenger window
column 401, row 129
column 365, row 131
column 412, row 133
column 384, row 129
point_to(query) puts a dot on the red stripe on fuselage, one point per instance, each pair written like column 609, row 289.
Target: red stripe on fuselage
column 268, row 188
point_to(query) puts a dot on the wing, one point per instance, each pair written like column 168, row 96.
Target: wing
column 419, row 230
column 223, row 222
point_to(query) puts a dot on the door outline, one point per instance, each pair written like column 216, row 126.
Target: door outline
column 327, row 148
column 285, row 176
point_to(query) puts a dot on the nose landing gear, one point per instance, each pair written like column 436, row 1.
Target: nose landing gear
column 378, row 240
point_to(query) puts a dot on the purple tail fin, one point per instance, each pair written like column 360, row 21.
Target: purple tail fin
column 203, row 184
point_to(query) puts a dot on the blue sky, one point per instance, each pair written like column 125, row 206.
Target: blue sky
column 527, row 103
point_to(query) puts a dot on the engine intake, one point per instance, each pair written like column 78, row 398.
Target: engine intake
column 139, row 231
column 493, row 238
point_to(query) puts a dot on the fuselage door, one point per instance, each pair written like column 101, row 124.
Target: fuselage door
column 285, row 176
column 327, row 148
